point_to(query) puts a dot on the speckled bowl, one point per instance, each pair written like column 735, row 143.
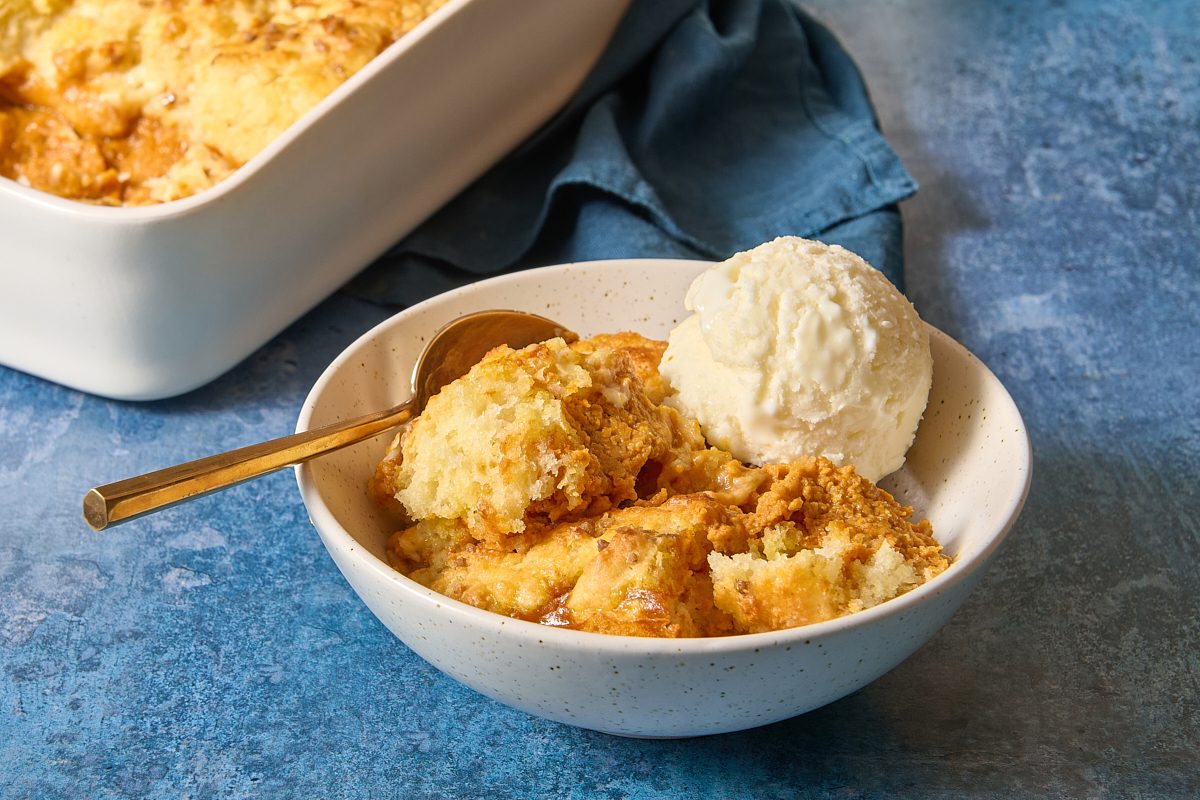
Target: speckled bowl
column 968, row 472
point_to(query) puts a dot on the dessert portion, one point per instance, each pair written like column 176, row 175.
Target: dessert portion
column 532, row 437
column 800, row 348
column 761, row 549
column 133, row 102
column 571, row 485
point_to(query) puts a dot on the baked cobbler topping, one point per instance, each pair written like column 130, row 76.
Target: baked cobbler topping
column 552, row 484
column 133, row 102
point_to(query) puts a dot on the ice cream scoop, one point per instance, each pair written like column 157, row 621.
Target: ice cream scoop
column 797, row 348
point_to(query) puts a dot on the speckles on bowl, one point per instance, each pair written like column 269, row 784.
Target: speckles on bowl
column 966, row 473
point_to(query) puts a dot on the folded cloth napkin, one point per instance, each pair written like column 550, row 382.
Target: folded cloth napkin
column 705, row 128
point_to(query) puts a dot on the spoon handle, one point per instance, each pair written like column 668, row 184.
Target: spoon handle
column 116, row 502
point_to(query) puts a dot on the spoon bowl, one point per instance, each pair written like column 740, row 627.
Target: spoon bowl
column 453, row 350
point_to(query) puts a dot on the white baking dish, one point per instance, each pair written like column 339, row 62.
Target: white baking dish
column 148, row 302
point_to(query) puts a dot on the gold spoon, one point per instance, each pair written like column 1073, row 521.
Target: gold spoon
column 452, row 351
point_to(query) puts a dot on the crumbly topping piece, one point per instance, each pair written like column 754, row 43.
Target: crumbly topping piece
column 532, row 437
column 549, row 486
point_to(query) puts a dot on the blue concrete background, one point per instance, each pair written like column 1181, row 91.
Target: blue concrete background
column 214, row 651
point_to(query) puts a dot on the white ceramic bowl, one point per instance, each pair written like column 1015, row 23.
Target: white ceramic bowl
column 147, row 302
column 968, row 472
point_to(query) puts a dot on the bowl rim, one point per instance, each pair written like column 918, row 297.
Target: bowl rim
column 334, row 535
column 80, row 209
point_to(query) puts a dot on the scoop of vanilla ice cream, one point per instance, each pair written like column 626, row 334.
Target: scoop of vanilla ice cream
column 797, row 348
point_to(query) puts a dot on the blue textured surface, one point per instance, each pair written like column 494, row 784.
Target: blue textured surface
column 214, row 651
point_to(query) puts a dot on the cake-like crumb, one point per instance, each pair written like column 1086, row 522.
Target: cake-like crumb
column 825, row 542
column 551, row 484
column 532, row 437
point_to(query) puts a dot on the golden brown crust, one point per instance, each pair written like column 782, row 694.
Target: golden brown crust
column 660, row 536
column 651, row 579
column 823, row 541
column 533, row 437
column 644, row 354
column 381, row 487
column 129, row 102
column 810, row 541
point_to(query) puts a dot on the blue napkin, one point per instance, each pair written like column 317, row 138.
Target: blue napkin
column 705, row 128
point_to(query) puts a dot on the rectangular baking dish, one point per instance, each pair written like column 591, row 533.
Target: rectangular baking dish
column 148, row 302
